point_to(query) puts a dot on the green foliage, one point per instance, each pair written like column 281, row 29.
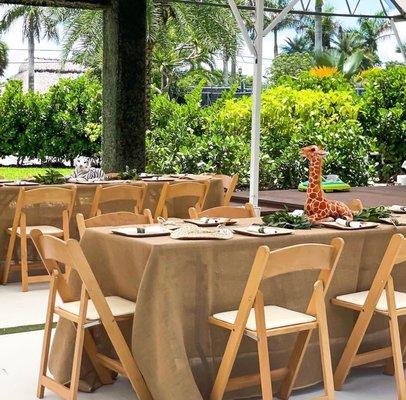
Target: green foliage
column 62, row 123
column 50, row 177
column 289, row 65
column 383, row 116
column 189, row 138
column 373, row 214
column 284, row 219
column 17, row 174
column 348, row 65
column 128, row 174
column 335, row 82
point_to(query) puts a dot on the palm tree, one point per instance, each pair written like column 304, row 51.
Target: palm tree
column 329, row 26
column 3, row 57
column 299, row 44
column 318, row 26
column 38, row 23
column 371, row 31
column 347, row 41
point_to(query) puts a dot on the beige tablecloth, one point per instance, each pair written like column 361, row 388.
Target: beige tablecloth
column 51, row 214
column 178, row 284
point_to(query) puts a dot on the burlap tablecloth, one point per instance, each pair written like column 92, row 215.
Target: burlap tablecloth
column 46, row 214
column 178, row 284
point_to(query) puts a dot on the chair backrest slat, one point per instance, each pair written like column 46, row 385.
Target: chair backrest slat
column 116, row 193
column 298, row 258
column 113, row 219
column 401, row 257
column 49, row 195
column 247, row 211
column 178, row 190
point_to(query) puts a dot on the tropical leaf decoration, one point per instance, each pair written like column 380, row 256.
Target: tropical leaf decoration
column 285, row 219
column 50, row 177
column 372, row 214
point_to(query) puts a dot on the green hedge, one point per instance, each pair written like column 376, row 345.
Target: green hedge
column 66, row 122
column 62, row 123
column 194, row 139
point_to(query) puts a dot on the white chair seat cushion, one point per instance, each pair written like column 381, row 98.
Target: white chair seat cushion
column 359, row 299
column 45, row 229
column 118, row 306
column 275, row 317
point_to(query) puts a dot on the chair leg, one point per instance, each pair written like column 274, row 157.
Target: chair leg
column 24, row 262
column 395, row 342
column 324, row 342
column 77, row 356
column 294, row 364
column 263, row 352
column 389, row 366
column 47, row 336
column 352, row 347
column 226, row 365
column 102, row 372
column 9, row 256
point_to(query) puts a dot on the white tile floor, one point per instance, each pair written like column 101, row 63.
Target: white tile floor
column 20, row 353
column 23, row 308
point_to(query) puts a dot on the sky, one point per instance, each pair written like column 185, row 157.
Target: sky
column 51, row 49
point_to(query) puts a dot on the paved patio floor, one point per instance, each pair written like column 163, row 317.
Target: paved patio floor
column 20, row 354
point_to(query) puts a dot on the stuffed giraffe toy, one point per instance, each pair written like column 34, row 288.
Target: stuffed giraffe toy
column 317, row 207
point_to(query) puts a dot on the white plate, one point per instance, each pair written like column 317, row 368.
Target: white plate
column 149, row 231
column 159, row 179
column 22, row 183
column 335, row 225
column 397, row 210
column 401, row 220
column 251, row 232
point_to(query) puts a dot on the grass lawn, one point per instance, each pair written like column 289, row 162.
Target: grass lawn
column 24, row 173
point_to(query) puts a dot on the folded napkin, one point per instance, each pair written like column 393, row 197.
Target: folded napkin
column 398, row 208
column 350, row 224
column 262, row 229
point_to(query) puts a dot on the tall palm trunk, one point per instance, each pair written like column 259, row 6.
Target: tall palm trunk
column 233, row 68
column 275, row 42
column 318, row 27
column 31, row 60
column 225, row 68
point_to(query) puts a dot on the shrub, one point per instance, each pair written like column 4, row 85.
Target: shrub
column 189, row 138
column 383, row 116
column 289, row 65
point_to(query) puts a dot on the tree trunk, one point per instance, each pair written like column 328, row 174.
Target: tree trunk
column 124, row 91
column 275, row 43
column 148, row 83
column 234, row 68
column 225, row 69
column 318, row 27
column 31, row 59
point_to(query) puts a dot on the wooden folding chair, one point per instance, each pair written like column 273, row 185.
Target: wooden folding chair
column 113, row 219
column 356, row 205
column 261, row 322
column 118, row 192
column 178, row 190
column 247, row 211
column 20, row 229
column 229, row 185
column 391, row 304
column 92, row 309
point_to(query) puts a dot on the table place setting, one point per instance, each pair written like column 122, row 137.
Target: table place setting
column 194, row 232
column 158, row 179
column 397, row 209
column 261, row 230
column 343, row 224
column 398, row 220
column 21, row 183
column 142, row 231
column 208, row 222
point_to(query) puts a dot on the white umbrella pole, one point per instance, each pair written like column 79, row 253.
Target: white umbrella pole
column 256, row 102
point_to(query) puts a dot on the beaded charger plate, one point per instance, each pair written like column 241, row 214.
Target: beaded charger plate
column 194, row 232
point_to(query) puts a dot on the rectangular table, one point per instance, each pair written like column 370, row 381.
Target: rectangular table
column 178, row 284
column 50, row 214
